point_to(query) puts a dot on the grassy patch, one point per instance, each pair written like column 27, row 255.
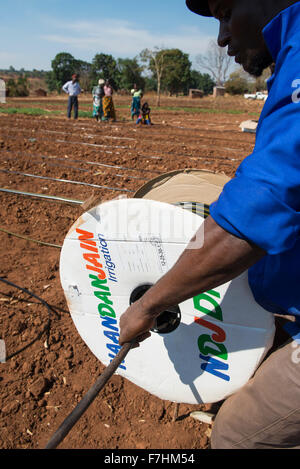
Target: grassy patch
column 31, row 111
column 85, row 114
column 37, row 111
column 199, row 110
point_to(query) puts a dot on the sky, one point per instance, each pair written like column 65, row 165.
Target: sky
column 32, row 32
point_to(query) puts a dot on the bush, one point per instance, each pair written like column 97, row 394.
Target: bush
column 236, row 84
column 17, row 88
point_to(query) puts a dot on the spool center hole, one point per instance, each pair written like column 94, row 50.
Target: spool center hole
column 167, row 321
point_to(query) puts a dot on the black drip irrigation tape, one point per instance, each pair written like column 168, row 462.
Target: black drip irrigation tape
column 169, row 124
column 30, row 293
column 33, row 140
column 168, row 142
column 74, row 168
column 47, row 326
column 67, row 181
column 42, row 196
column 15, row 129
column 112, row 166
column 42, row 243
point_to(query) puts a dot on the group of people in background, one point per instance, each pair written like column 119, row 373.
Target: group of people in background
column 103, row 105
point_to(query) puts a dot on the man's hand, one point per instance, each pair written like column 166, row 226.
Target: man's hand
column 136, row 323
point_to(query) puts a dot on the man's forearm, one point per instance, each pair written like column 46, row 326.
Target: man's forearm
column 221, row 258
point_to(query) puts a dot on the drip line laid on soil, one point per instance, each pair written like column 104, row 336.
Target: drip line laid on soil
column 42, row 196
column 161, row 157
column 74, row 168
column 15, row 129
column 100, row 135
column 95, row 145
column 37, row 241
column 65, row 180
column 112, row 166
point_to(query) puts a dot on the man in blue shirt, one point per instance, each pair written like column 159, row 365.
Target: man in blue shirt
column 72, row 88
column 255, row 225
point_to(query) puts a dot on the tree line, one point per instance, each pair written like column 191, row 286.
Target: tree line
column 162, row 70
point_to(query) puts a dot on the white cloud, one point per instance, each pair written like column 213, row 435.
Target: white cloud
column 121, row 38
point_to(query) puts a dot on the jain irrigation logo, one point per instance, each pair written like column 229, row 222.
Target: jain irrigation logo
column 2, row 92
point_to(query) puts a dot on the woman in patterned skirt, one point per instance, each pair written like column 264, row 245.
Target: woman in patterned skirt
column 108, row 104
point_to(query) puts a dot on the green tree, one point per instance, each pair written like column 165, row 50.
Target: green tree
column 52, row 83
column 236, row 84
column 150, row 83
column 154, row 61
column 130, row 72
column 63, row 67
column 261, row 82
column 11, row 88
column 84, row 69
column 23, row 86
column 18, row 88
column 177, row 71
column 105, row 66
column 201, row 81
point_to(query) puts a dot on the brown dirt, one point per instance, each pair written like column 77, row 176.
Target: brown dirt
column 49, row 370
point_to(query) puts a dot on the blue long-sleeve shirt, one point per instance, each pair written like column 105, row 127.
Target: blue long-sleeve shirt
column 72, row 89
column 262, row 202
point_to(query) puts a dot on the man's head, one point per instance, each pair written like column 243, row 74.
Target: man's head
column 74, row 77
column 241, row 25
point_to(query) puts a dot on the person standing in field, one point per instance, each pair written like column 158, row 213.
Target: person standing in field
column 98, row 94
column 108, row 104
column 72, row 88
column 136, row 101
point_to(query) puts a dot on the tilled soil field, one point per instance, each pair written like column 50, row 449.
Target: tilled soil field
column 48, row 367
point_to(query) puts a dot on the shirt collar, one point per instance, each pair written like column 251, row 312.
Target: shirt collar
column 281, row 28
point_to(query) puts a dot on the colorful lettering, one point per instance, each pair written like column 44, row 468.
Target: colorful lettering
column 211, row 346
column 105, row 307
column 213, row 366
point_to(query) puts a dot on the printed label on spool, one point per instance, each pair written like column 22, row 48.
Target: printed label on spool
column 221, row 336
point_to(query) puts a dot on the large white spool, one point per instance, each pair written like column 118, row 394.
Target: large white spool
column 203, row 360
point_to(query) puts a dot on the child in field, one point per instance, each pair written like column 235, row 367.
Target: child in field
column 144, row 117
